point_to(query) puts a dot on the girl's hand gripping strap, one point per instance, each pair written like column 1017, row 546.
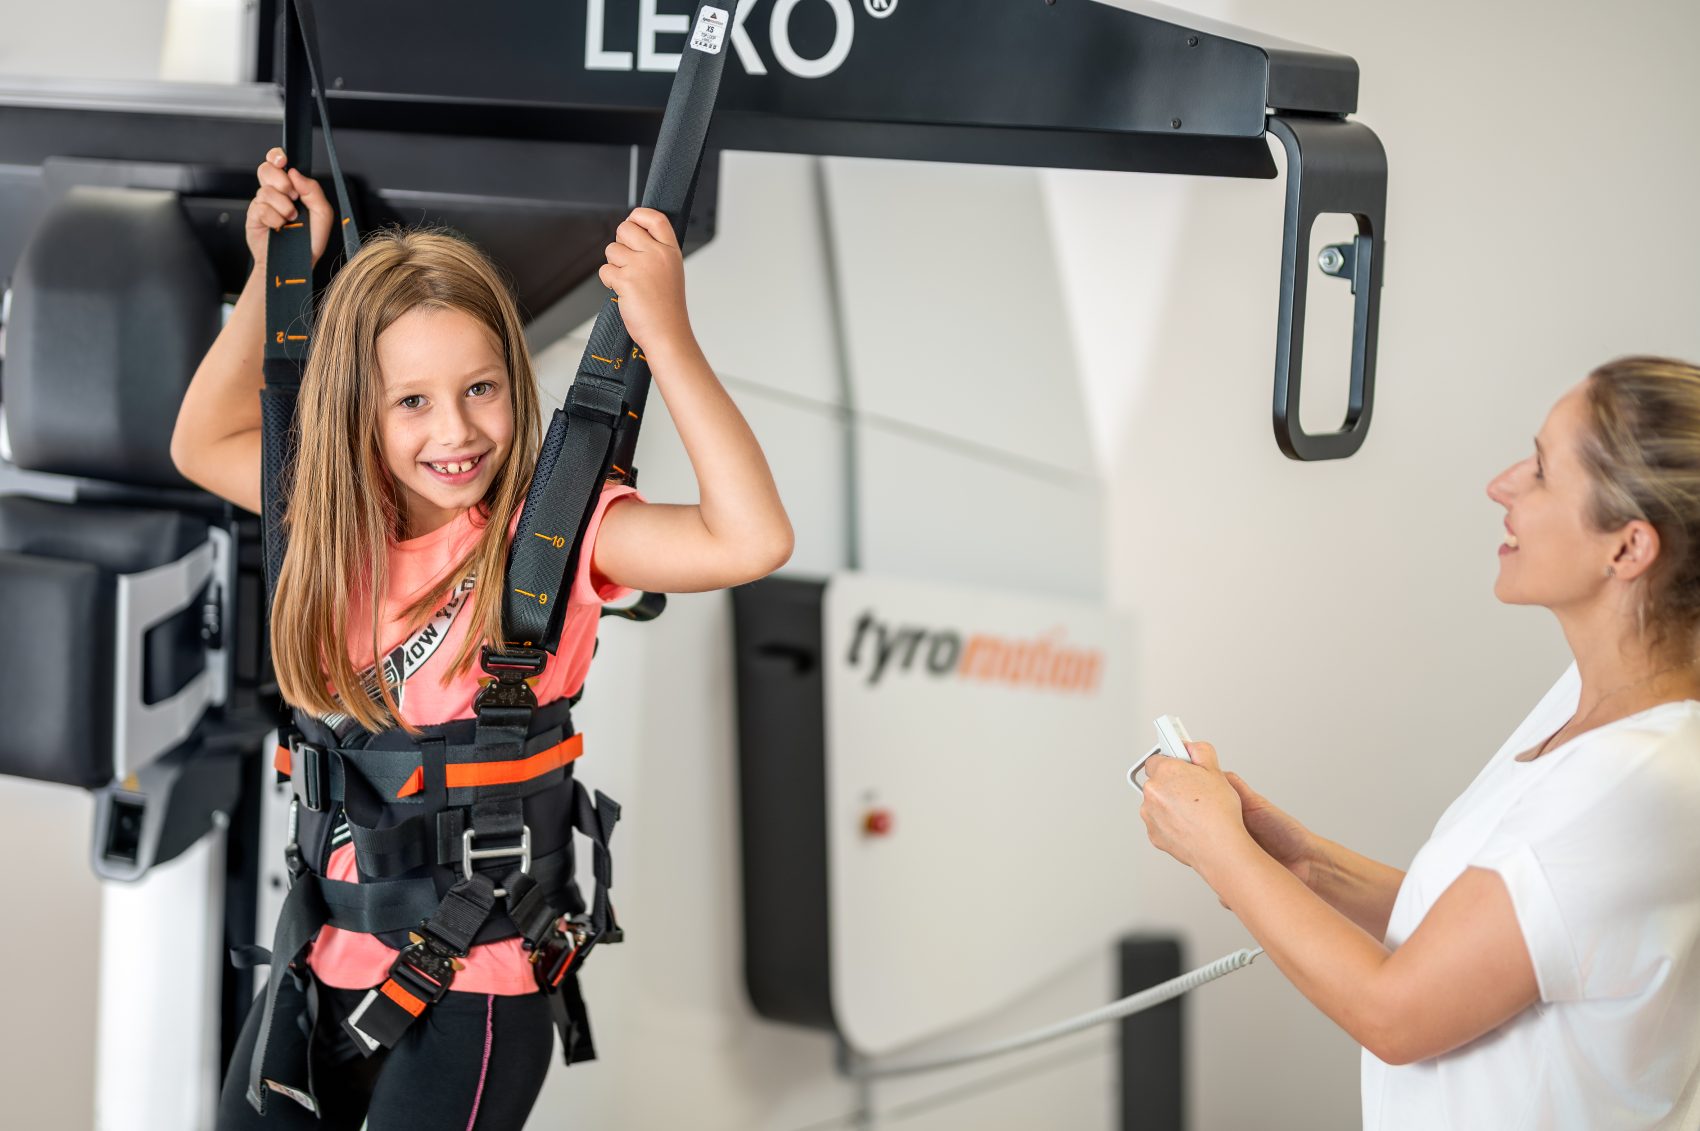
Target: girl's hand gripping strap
column 593, row 436
column 289, row 262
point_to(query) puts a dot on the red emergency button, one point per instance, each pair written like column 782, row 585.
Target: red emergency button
column 877, row 822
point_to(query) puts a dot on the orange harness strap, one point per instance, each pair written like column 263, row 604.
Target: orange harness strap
column 463, row 774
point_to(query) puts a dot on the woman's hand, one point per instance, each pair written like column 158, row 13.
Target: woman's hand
column 646, row 270
column 1191, row 811
column 1276, row 832
column 277, row 202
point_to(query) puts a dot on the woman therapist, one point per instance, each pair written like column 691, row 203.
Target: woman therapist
column 1539, row 964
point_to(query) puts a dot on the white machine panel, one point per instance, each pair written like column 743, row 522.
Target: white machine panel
column 976, row 813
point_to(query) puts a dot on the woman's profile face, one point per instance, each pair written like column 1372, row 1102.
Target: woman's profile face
column 1552, row 555
column 446, row 413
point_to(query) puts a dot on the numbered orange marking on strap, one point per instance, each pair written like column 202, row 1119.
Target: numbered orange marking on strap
column 553, row 539
column 540, row 598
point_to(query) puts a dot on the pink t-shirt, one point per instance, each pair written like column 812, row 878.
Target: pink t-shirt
column 355, row 961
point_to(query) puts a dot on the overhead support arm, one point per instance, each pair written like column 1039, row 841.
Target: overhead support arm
column 1332, row 166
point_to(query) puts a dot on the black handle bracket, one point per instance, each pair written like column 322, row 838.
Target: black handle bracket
column 1333, row 165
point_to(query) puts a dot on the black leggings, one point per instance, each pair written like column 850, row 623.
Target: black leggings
column 472, row 1061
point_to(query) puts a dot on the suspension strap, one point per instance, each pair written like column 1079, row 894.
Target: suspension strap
column 593, row 436
column 289, row 266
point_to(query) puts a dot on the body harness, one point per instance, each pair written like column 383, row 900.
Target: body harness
column 463, row 835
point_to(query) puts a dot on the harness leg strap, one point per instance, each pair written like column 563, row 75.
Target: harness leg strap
column 303, row 913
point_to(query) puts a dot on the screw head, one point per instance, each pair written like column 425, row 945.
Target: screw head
column 1174, row 123
column 1192, row 41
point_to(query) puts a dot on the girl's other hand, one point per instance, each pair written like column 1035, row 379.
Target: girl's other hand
column 646, row 270
column 277, row 202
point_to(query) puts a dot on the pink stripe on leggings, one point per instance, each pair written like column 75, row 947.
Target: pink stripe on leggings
column 484, row 1069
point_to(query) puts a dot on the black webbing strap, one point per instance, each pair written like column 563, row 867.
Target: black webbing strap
column 289, row 265
column 424, row 971
column 593, row 436
column 303, row 913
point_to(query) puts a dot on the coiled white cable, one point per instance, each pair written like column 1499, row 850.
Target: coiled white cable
column 869, row 1069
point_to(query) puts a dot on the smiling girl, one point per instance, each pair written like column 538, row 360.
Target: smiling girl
column 419, row 431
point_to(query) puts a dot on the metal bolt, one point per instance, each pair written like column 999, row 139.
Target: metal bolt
column 1174, row 123
column 1192, row 41
column 1331, row 260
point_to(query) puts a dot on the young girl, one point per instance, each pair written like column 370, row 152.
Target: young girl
column 419, row 430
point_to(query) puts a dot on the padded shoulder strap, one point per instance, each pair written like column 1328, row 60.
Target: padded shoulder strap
column 289, row 263
column 592, row 437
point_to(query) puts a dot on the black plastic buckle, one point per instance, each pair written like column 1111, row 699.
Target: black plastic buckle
column 309, row 765
column 564, row 949
column 427, row 965
column 509, row 670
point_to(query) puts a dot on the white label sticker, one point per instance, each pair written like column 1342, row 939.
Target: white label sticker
column 711, row 31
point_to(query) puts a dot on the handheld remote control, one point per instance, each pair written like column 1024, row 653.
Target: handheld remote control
column 1171, row 742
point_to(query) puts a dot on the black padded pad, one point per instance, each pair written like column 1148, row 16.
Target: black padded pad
column 55, row 671
column 57, row 604
column 113, row 539
column 113, row 306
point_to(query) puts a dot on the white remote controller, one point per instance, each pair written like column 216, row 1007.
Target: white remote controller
column 1171, row 741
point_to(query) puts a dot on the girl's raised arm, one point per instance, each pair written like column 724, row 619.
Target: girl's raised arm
column 739, row 531
column 216, row 443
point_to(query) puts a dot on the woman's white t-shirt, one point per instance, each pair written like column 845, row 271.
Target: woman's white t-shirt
column 1598, row 842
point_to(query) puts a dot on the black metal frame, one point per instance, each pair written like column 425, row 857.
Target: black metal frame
column 521, row 150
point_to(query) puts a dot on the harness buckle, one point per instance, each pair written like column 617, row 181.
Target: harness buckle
column 427, row 965
column 564, row 949
column 468, row 854
column 308, row 765
column 292, row 855
column 509, row 670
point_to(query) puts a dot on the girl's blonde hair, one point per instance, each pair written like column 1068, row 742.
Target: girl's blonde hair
column 345, row 510
column 1642, row 450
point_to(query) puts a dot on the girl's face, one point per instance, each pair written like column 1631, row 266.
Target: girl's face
column 446, row 417
column 1552, row 554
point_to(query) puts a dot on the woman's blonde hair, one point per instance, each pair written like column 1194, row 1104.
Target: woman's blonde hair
column 1642, row 449
column 345, row 510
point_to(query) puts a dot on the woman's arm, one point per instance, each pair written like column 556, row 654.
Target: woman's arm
column 1465, row 970
column 738, row 531
column 1359, row 888
column 216, row 443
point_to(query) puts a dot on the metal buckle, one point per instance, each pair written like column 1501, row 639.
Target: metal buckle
column 522, row 850
column 292, row 857
column 432, row 959
column 509, row 669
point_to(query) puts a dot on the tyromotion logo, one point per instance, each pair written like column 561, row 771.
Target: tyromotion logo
column 1043, row 663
